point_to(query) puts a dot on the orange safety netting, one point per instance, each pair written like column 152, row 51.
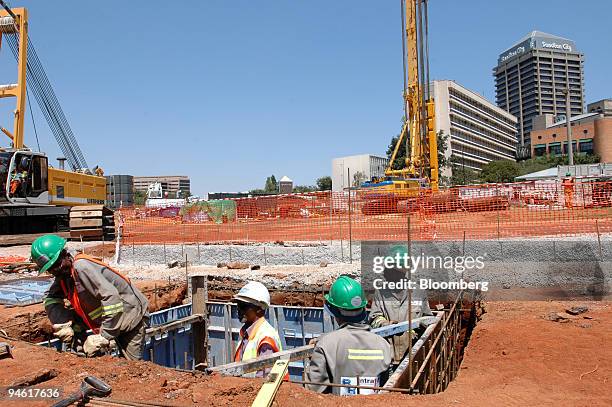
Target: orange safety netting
column 541, row 208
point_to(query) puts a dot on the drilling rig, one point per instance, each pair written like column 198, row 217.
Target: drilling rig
column 420, row 170
column 35, row 197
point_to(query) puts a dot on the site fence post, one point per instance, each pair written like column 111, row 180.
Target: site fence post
column 350, row 217
column 598, row 239
column 331, row 209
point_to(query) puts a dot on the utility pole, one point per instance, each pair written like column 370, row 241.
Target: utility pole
column 568, row 122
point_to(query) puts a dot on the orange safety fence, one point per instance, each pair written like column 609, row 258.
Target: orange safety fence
column 497, row 211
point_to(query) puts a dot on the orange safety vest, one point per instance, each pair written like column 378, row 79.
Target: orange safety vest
column 73, row 296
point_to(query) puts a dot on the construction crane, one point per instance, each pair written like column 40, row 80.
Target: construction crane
column 420, row 169
column 35, row 197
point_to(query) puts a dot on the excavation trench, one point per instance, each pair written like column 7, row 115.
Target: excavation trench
column 298, row 316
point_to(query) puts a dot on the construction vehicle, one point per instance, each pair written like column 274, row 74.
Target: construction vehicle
column 420, row 170
column 35, row 197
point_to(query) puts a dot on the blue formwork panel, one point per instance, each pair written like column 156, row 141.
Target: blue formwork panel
column 175, row 348
column 24, row 291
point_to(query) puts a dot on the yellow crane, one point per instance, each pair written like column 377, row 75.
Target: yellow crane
column 35, row 197
column 420, row 169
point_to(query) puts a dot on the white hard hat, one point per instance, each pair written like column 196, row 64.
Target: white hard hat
column 254, row 293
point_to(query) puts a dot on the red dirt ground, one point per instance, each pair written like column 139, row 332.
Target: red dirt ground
column 515, row 357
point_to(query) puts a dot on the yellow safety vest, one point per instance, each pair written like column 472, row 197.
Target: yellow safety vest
column 262, row 333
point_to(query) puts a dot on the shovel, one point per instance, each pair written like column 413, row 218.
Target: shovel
column 91, row 387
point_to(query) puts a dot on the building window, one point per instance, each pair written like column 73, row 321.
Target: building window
column 539, row 137
column 554, row 135
column 554, row 149
column 574, row 147
column 585, row 131
column 539, row 150
column 586, row 146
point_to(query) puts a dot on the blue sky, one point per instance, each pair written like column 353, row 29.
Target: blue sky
column 229, row 92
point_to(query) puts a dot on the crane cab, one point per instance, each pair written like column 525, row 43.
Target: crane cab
column 23, row 178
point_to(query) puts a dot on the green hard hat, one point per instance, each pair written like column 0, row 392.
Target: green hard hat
column 398, row 249
column 346, row 294
column 45, row 251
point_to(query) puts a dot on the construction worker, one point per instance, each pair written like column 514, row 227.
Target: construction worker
column 102, row 300
column 568, row 189
column 257, row 336
column 19, row 179
column 351, row 354
column 391, row 306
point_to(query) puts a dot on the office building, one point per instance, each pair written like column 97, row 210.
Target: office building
column 170, row 183
column 362, row 168
column 479, row 132
column 591, row 134
column 532, row 77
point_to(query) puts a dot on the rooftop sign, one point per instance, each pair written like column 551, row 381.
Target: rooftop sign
column 537, row 40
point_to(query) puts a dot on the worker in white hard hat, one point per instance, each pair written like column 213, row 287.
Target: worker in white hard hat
column 257, row 336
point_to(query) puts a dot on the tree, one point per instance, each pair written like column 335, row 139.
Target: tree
column 358, row 179
column 443, row 161
column 140, row 197
column 271, row 185
column 400, row 158
column 324, row 183
column 500, row 171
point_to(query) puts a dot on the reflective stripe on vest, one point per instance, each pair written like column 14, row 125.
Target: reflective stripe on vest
column 73, row 296
column 263, row 333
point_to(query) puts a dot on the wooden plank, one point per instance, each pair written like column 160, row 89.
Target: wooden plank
column 87, row 208
column 268, row 390
column 86, row 233
column 86, row 214
column 85, row 223
column 253, row 365
column 11, row 240
column 199, row 297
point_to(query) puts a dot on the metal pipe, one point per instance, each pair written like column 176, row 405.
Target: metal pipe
column 568, row 121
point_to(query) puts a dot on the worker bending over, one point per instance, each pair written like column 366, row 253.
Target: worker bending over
column 351, row 354
column 257, row 336
column 102, row 300
column 391, row 306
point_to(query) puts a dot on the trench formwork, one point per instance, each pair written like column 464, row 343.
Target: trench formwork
column 175, row 339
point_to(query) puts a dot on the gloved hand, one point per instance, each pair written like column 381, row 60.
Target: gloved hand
column 94, row 344
column 64, row 332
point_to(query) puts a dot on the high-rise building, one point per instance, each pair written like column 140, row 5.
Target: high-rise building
column 532, row 77
column 479, row 132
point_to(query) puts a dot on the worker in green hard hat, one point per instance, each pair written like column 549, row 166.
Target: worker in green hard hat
column 391, row 306
column 102, row 300
column 352, row 354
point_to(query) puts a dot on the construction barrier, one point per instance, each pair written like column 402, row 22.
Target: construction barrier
column 496, row 211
